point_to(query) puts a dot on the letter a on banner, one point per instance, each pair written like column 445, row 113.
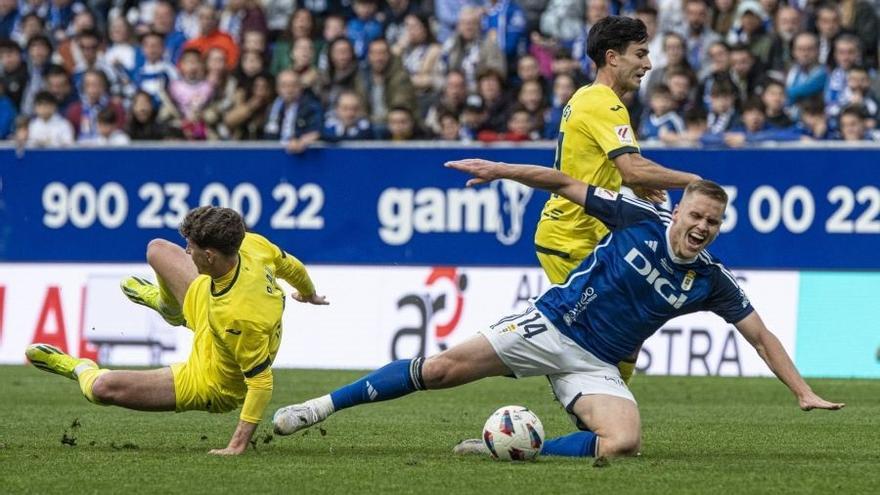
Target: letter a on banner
column 86, row 349
column 55, row 334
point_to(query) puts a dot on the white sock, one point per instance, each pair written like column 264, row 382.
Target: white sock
column 323, row 405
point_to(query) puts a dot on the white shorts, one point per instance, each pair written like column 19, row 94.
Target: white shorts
column 530, row 345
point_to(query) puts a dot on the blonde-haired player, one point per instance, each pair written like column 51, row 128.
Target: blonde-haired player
column 597, row 145
column 223, row 287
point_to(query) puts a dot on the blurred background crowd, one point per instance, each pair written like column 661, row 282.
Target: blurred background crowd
column 725, row 72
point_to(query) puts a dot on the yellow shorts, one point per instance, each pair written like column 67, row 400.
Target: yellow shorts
column 196, row 389
column 556, row 267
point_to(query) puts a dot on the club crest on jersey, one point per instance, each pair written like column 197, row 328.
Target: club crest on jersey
column 688, row 281
column 624, row 134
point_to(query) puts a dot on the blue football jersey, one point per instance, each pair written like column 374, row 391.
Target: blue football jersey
column 632, row 283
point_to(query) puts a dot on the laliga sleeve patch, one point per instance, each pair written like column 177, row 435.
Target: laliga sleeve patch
column 624, row 134
column 605, row 193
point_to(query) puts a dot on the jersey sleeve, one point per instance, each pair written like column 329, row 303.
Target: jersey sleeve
column 610, row 126
column 727, row 299
column 617, row 211
column 249, row 344
column 287, row 267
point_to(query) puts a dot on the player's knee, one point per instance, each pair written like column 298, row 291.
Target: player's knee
column 438, row 372
column 620, row 445
column 105, row 391
column 156, row 248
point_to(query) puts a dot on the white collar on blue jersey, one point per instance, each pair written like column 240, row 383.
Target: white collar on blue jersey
column 675, row 259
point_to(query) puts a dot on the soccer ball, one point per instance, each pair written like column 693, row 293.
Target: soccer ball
column 513, row 433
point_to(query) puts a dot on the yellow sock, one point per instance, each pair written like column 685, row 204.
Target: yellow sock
column 87, row 379
column 168, row 304
column 627, row 368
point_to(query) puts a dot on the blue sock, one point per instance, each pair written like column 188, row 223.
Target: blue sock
column 395, row 379
column 579, row 444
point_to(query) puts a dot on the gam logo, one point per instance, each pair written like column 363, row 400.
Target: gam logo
column 438, row 310
column 497, row 209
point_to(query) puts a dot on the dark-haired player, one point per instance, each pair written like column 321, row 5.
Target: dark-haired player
column 223, row 288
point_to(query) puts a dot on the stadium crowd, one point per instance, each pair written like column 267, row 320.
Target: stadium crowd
column 725, row 72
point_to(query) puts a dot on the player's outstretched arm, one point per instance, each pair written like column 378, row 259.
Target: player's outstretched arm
column 639, row 172
column 537, row 177
column 772, row 352
column 240, row 439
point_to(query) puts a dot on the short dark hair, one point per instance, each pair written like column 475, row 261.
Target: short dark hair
column 614, row 33
column 812, row 106
column 39, row 38
column 647, row 10
column 854, row 109
column 45, row 97
column 754, row 103
column 695, row 115
column 661, row 90
column 213, row 227
column 107, row 115
column 707, row 188
column 723, row 87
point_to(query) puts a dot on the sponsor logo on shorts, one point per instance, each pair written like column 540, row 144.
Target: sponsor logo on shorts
column 616, row 380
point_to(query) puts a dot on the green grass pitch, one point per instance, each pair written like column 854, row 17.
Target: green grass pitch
column 700, row 435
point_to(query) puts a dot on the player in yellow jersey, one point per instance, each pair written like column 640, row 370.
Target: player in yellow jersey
column 597, row 145
column 223, row 286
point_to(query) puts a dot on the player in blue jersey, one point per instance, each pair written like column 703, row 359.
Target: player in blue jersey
column 652, row 267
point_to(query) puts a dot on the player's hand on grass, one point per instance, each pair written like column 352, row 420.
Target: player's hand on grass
column 313, row 299
column 652, row 195
column 484, row 171
column 812, row 401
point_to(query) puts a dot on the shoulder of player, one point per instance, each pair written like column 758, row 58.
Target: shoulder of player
column 717, row 269
column 597, row 100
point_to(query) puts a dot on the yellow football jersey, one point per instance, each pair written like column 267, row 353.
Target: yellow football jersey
column 595, row 129
column 237, row 321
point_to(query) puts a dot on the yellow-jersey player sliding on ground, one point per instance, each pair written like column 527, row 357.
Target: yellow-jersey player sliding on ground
column 223, row 287
column 597, row 145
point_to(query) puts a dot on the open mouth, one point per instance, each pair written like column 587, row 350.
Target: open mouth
column 695, row 240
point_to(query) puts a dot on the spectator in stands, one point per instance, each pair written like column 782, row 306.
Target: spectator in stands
column 420, row 55
column 563, row 20
column 143, row 124
column 717, row 64
column 681, row 86
column 469, row 52
column 662, row 118
column 451, row 100
column 60, row 17
column 749, row 29
column 473, row 117
column 698, row 34
column 695, row 126
column 187, row 19
column 402, row 125
column 528, row 70
column 29, row 26
column 254, row 40
column 278, row 15
column 301, row 26
column 48, row 128
column 121, row 56
column 163, row 23
column 505, row 22
column 39, row 54
column 753, row 129
column 853, row 125
column 88, row 43
column 250, row 65
column 365, row 27
column 859, row 17
column 722, row 109
column 109, row 133
column 7, row 114
column 334, row 27
column 828, row 28
column 723, row 16
column 58, row 84
column 448, row 13
column 295, row 116
column 787, row 24
column 674, row 50
column 563, row 89
column 240, row 16
column 155, row 72
column 773, row 98
column 745, row 72
column 521, row 126
column 303, row 63
column 491, row 91
column 212, row 37
column 341, row 72
column 13, row 71
column 83, row 114
column 531, row 97
column 671, row 16
column 450, row 128
column 846, row 55
column 812, row 122
column 247, row 116
column 806, row 77
column 395, row 14
column 858, row 92
column 384, row 84
column 67, row 51
column 9, row 17
column 190, row 95
column 347, row 121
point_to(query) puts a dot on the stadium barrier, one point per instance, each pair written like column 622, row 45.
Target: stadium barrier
column 413, row 261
